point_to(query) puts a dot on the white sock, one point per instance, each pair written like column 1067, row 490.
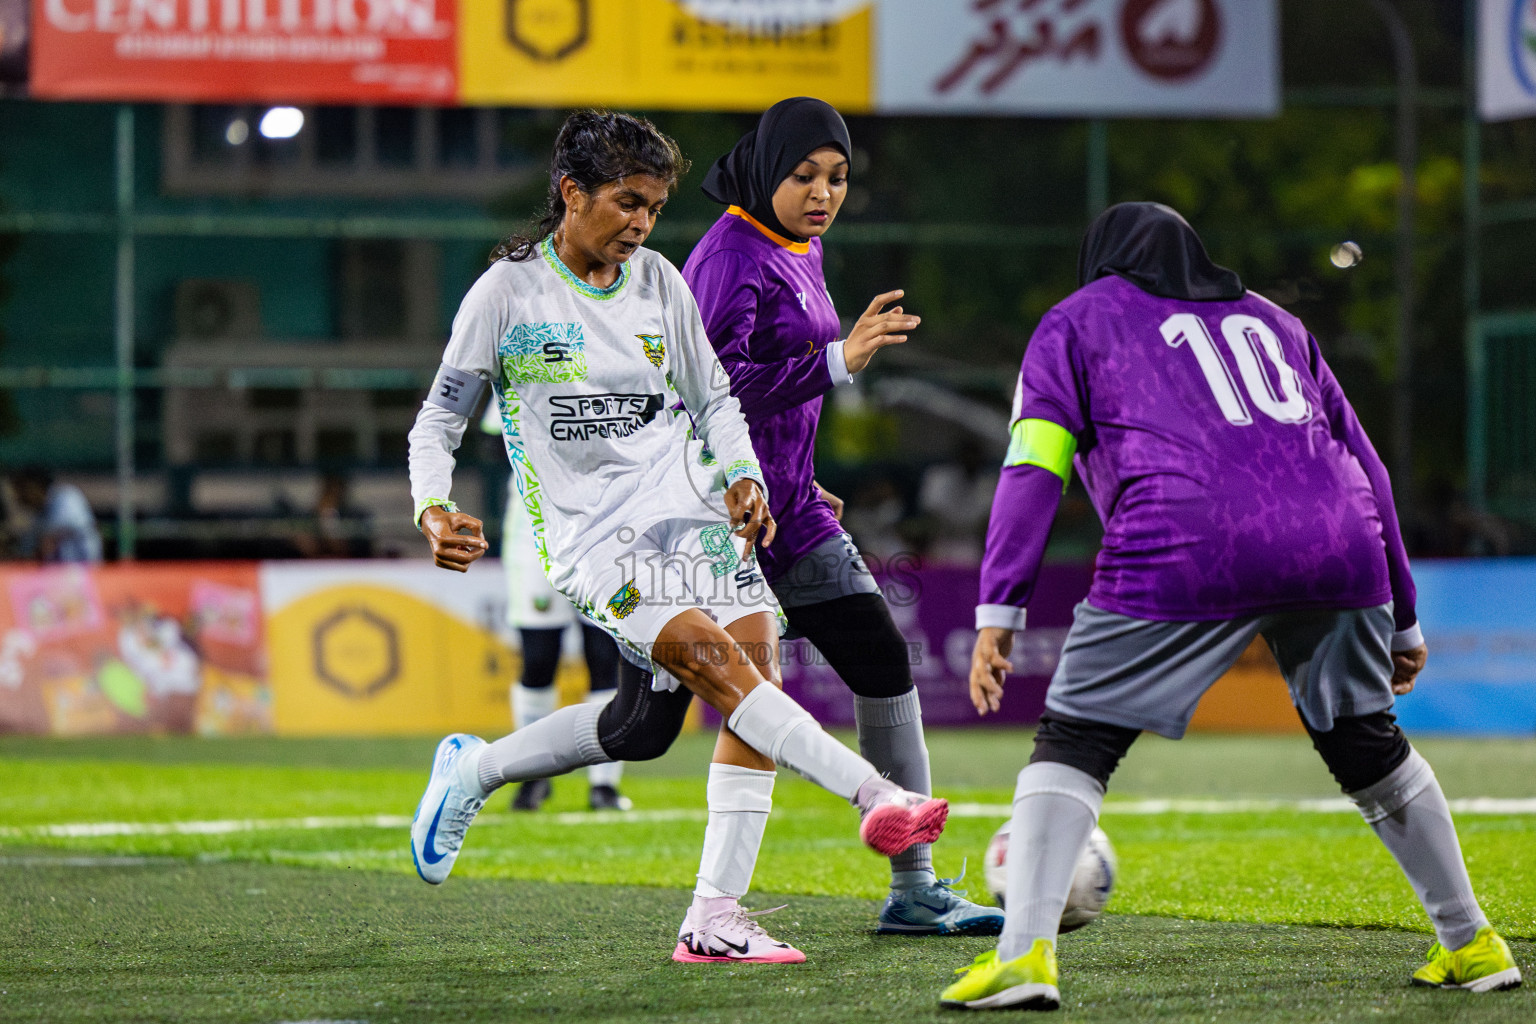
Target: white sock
column 891, row 737
column 1408, row 812
column 776, row 727
column 530, row 705
column 739, row 801
column 612, row 773
column 1055, row 807
column 552, row 746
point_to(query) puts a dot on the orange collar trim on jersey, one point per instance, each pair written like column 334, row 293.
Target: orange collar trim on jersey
column 798, row 248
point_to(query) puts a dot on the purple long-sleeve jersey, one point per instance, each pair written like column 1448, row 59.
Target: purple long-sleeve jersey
column 1230, row 471
column 767, row 313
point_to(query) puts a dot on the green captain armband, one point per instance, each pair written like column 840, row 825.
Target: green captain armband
column 1044, row 444
column 426, row 503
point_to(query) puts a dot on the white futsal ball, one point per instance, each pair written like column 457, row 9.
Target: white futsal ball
column 1091, row 885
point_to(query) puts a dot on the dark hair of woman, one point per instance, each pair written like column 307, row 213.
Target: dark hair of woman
column 593, row 148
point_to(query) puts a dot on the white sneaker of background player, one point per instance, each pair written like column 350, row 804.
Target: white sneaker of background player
column 722, row 931
column 451, row 801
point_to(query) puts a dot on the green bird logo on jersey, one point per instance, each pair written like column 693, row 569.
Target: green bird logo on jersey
column 654, row 350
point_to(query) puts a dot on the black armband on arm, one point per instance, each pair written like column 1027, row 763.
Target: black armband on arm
column 458, row 391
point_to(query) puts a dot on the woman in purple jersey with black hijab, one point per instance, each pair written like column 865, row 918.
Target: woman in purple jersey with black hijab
column 757, row 276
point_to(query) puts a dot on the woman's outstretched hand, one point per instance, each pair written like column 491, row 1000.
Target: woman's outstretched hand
column 876, row 329
column 450, row 548
column 750, row 517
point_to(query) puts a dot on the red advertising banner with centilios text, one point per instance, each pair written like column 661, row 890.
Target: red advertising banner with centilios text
column 339, row 51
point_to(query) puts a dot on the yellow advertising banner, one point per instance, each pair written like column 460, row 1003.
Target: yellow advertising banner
column 373, row 648
column 665, row 54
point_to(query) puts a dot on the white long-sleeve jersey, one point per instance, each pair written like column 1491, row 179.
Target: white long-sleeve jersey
column 596, row 387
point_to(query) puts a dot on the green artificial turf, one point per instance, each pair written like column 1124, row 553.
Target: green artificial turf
column 178, row 941
column 1268, row 913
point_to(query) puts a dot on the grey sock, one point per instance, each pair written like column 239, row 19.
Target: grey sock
column 1055, row 808
column 1408, row 812
column 891, row 739
column 564, row 741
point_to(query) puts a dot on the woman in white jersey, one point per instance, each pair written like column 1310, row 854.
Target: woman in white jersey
column 609, row 391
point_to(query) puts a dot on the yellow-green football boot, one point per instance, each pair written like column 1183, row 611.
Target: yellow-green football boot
column 1027, row 982
column 1482, row 965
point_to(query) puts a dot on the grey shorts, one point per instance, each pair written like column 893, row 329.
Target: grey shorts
column 832, row 569
column 1140, row 674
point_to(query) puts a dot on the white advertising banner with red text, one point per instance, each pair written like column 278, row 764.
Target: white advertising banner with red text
column 1506, row 59
column 1080, row 58
column 1099, row 58
column 337, row 51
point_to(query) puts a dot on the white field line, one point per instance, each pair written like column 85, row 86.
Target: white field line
column 96, row 829
column 1331, row 805
column 83, row 862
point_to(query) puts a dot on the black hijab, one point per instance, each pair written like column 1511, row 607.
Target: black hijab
column 1155, row 249
column 787, row 133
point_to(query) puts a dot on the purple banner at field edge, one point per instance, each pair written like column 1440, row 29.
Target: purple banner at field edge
column 935, row 609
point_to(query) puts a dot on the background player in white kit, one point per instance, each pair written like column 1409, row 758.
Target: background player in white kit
column 610, row 391
column 542, row 617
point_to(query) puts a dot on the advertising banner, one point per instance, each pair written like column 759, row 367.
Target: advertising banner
column 340, row 51
column 1506, row 59
column 14, row 33
column 1080, row 58
column 665, row 54
column 1479, row 623
column 177, row 648
column 935, row 609
column 368, row 648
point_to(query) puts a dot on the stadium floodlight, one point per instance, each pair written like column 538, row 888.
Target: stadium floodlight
column 1346, row 255
column 282, row 122
column 237, row 132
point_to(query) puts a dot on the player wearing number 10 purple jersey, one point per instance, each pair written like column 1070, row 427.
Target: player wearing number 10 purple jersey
column 1230, row 471
column 1240, row 498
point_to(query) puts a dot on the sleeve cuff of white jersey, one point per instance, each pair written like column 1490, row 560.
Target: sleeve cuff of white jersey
column 999, row 616
column 1408, row 639
column 426, row 503
column 837, row 366
column 746, row 469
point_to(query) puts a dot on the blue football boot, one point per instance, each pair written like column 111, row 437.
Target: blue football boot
column 937, row 910
column 452, row 800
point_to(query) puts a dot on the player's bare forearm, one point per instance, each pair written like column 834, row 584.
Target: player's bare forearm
column 451, row 548
column 989, row 666
column 1406, row 666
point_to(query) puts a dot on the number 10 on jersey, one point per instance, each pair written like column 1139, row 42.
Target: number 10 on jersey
column 1246, row 337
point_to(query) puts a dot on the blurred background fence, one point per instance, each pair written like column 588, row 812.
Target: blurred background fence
column 224, row 286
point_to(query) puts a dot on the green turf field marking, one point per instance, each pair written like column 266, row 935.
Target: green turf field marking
column 1148, row 808
column 97, row 829
column 83, row 862
column 1341, row 805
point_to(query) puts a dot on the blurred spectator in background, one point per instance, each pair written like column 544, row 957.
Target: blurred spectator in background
column 955, row 499
column 63, row 527
column 873, row 516
column 340, row 530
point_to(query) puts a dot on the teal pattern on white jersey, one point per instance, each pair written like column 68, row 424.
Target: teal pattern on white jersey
column 596, row 386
